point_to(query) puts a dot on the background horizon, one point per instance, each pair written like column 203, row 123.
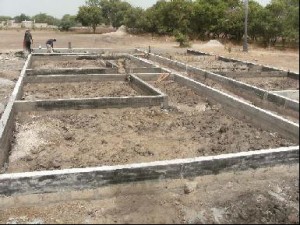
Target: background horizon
column 58, row 8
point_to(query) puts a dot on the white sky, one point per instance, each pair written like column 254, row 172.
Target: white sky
column 58, row 8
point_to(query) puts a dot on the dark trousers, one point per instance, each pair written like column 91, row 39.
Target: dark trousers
column 28, row 46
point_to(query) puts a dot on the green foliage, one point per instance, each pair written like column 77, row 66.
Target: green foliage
column 5, row 18
column 67, row 22
column 186, row 19
column 22, row 17
column 135, row 18
column 44, row 18
column 113, row 11
column 182, row 39
column 90, row 16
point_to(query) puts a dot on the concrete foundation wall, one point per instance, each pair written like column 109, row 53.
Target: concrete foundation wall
column 148, row 89
column 290, row 74
column 150, row 76
column 291, row 94
column 244, row 110
column 95, row 103
column 137, row 61
column 90, row 178
column 70, row 71
column 88, row 51
column 251, row 74
column 259, row 96
column 58, row 57
column 7, row 122
column 75, row 78
column 143, row 70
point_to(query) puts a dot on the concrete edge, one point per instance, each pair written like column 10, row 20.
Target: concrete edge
column 260, row 117
column 74, row 78
column 293, row 75
column 256, row 92
column 91, row 178
column 43, row 51
column 148, row 89
column 242, row 110
column 71, row 71
column 88, row 103
column 7, row 120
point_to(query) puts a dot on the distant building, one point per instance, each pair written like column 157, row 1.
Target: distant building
column 41, row 25
column 25, row 24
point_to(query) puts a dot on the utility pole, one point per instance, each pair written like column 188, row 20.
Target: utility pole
column 245, row 45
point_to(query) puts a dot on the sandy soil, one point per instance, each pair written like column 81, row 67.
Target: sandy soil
column 262, row 196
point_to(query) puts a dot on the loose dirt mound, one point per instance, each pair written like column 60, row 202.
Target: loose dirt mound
column 120, row 32
column 213, row 43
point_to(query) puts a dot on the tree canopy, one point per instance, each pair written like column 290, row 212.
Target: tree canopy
column 200, row 19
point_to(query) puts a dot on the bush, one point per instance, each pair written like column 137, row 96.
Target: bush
column 65, row 25
column 182, row 39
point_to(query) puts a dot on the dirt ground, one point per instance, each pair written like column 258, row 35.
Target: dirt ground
column 77, row 90
column 45, row 64
column 211, row 63
column 262, row 196
column 192, row 127
column 268, row 195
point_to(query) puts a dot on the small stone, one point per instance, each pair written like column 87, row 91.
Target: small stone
column 189, row 188
column 104, row 142
column 293, row 218
column 68, row 136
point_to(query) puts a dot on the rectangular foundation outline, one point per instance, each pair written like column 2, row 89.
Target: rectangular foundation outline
column 74, row 179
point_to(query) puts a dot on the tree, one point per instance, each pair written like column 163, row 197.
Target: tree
column 67, row 22
column 256, row 23
column 170, row 17
column 90, row 16
column 5, row 18
column 135, row 18
column 44, row 18
column 233, row 22
column 21, row 18
column 114, row 11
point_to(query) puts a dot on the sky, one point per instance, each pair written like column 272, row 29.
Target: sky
column 58, row 8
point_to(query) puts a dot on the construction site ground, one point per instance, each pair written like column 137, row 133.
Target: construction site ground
column 268, row 195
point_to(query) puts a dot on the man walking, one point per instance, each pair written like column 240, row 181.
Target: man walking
column 27, row 41
column 49, row 45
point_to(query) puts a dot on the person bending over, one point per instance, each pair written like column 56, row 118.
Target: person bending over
column 49, row 45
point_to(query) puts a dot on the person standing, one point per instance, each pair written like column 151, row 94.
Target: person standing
column 49, row 45
column 27, row 41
